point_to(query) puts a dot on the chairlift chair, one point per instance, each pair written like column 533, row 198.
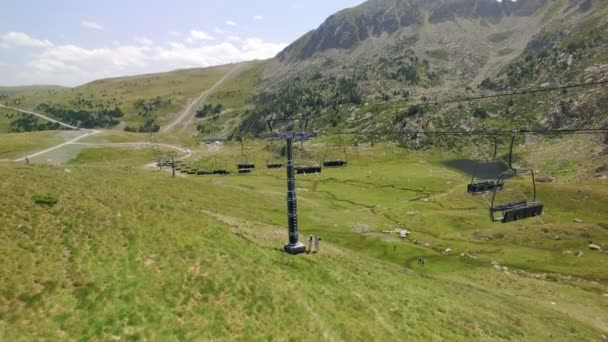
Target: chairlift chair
column 243, row 162
column 515, row 211
column 519, row 210
column 274, row 162
column 218, row 170
column 306, row 167
column 335, row 163
column 480, row 187
column 271, row 165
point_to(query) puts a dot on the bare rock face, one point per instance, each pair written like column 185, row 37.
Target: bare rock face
column 345, row 29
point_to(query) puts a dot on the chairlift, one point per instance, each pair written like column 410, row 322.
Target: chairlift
column 219, row 170
column 515, row 211
column 335, row 162
column 275, row 162
column 243, row 162
column 479, row 186
column 519, row 210
column 306, row 167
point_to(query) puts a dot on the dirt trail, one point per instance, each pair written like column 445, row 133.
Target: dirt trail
column 69, row 142
column 186, row 115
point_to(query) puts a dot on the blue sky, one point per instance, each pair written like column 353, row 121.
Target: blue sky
column 72, row 42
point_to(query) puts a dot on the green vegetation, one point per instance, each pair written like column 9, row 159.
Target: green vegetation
column 31, row 123
column 441, row 54
column 45, row 200
column 16, row 145
column 209, row 109
column 105, row 118
column 133, row 253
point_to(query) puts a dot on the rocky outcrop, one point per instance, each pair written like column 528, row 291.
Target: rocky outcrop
column 345, row 29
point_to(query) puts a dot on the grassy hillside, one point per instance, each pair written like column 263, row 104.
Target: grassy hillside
column 29, row 90
column 156, row 97
column 129, row 252
column 17, row 145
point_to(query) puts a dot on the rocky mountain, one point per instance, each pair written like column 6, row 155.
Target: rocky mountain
column 344, row 30
column 365, row 66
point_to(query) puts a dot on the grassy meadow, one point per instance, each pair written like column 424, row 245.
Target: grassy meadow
column 130, row 253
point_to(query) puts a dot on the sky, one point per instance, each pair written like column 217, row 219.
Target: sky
column 71, row 42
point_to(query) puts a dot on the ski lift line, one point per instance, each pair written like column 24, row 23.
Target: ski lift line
column 513, row 93
column 589, row 131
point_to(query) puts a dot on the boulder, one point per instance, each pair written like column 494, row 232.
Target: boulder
column 545, row 179
column 594, row 247
column 578, row 221
column 447, row 251
column 579, row 254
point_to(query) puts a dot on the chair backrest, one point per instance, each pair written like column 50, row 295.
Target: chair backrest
column 523, row 212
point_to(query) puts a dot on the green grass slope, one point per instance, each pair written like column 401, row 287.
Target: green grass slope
column 131, row 253
column 173, row 89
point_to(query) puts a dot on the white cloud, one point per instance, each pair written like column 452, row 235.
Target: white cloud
column 91, row 25
column 231, row 23
column 22, row 39
column 144, row 41
column 174, row 33
column 72, row 65
column 199, row 35
column 176, row 45
column 258, row 18
column 218, row 30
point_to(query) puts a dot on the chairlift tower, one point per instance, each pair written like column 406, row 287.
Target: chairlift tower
column 294, row 246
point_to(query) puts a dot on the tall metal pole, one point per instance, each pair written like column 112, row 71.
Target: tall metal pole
column 173, row 164
column 294, row 246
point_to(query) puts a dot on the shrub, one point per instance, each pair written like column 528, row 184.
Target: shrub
column 45, row 199
column 480, row 113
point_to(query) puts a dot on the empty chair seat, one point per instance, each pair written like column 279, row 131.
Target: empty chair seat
column 243, row 171
column 245, row 166
column 484, row 187
column 523, row 212
column 274, row 165
column 204, row 173
column 221, row 172
column 305, row 170
column 334, row 163
column 517, row 211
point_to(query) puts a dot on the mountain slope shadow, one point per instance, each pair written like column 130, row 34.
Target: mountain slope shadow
column 478, row 169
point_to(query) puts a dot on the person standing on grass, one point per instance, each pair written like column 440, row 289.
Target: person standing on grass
column 310, row 244
column 421, row 261
column 317, row 241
